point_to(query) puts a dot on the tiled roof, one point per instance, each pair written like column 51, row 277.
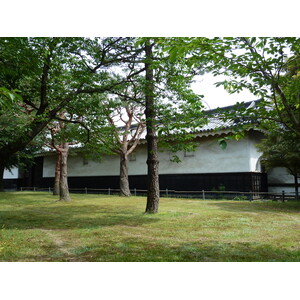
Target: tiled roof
column 215, row 125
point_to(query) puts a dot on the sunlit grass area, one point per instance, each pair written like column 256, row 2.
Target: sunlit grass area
column 35, row 227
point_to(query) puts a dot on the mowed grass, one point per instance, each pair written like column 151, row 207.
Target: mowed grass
column 97, row 228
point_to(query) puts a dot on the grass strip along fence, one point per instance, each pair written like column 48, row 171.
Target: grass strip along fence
column 204, row 195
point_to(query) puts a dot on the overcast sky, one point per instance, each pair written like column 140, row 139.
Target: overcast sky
column 217, row 96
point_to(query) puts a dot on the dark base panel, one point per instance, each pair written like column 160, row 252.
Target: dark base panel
column 11, row 184
column 243, row 182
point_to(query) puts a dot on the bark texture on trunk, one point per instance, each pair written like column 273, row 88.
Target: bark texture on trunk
column 152, row 157
column 124, row 181
column 64, row 188
column 56, row 189
column 153, row 175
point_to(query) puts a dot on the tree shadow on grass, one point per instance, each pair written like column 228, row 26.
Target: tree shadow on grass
column 64, row 217
column 136, row 250
column 236, row 252
column 259, row 206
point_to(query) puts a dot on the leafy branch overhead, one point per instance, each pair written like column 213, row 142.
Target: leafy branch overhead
column 256, row 64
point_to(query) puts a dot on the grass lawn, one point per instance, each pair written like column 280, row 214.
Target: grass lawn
column 33, row 227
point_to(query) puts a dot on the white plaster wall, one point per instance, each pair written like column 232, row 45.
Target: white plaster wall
column 107, row 166
column 280, row 176
column 49, row 166
column 209, row 158
column 255, row 155
column 139, row 166
column 253, row 139
column 278, row 189
column 13, row 174
column 239, row 156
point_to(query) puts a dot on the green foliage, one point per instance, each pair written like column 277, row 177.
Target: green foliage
column 178, row 109
column 258, row 65
column 174, row 158
column 222, row 143
column 8, row 98
column 240, row 198
column 281, row 149
column 222, row 187
column 50, row 74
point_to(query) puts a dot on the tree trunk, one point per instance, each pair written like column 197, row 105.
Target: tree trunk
column 64, row 188
column 2, row 177
column 153, row 175
column 56, row 189
column 152, row 157
column 296, row 188
column 124, row 181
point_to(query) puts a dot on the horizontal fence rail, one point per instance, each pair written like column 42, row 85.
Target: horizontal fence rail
column 202, row 194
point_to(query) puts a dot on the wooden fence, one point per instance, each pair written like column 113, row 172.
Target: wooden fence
column 204, row 195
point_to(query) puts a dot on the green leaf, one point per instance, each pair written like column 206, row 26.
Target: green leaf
column 222, row 143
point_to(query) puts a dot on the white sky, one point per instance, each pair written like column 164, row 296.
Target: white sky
column 217, row 96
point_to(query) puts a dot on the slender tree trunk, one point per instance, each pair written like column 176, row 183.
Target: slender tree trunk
column 2, row 177
column 296, row 188
column 64, row 188
column 124, row 181
column 152, row 157
column 56, row 189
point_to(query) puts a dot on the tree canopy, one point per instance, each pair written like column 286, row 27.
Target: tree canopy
column 256, row 64
column 48, row 74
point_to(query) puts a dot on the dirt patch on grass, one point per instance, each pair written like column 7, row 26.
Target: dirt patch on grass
column 59, row 243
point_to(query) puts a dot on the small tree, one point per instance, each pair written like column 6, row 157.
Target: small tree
column 61, row 146
column 64, row 132
column 117, row 130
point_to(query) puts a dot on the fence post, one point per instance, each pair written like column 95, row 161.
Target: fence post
column 21, row 189
column 49, row 189
column 34, row 188
column 203, row 194
column 85, row 190
column 167, row 192
column 108, row 191
column 282, row 196
column 134, row 191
